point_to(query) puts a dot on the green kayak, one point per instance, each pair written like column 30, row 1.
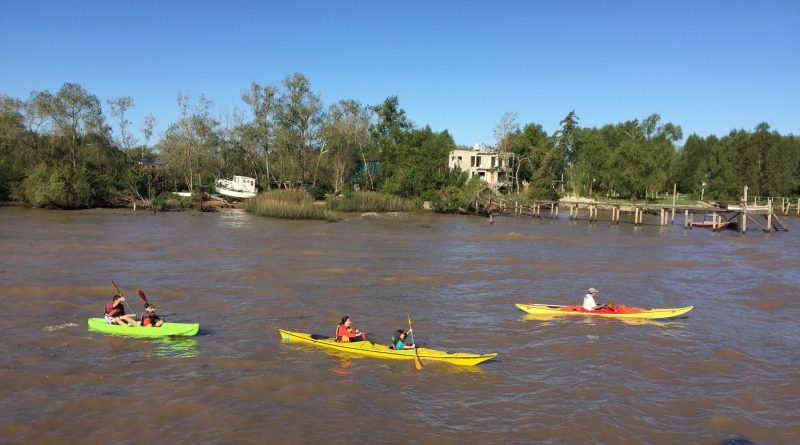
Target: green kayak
column 165, row 330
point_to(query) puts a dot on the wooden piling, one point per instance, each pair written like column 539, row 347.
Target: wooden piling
column 743, row 222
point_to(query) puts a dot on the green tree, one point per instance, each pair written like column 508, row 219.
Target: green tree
column 298, row 118
column 258, row 134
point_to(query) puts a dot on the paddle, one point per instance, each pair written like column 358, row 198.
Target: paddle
column 417, row 362
column 119, row 292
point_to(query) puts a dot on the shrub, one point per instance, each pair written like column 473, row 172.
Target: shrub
column 318, row 192
column 64, row 187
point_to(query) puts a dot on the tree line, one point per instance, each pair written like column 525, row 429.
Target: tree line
column 65, row 149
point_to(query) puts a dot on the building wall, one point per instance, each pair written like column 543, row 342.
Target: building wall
column 488, row 165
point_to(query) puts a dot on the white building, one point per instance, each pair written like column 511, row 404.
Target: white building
column 492, row 166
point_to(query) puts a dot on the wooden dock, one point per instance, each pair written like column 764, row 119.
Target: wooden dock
column 762, row 216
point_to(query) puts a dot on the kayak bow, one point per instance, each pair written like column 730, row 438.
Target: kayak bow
column 623, row 312
column 165, row 330
column 371, row 349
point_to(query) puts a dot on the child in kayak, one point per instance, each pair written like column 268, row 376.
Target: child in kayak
column 115, row 312
column 149, row 317
column 345, row 333
column 399, row 340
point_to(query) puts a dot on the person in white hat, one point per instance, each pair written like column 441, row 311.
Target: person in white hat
column 588, row 301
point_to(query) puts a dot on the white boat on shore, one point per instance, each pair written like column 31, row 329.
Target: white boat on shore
column 239, row 187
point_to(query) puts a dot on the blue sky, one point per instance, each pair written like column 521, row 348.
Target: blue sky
column 709, row 67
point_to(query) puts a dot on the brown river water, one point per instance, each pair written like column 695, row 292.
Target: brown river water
column 729, row 367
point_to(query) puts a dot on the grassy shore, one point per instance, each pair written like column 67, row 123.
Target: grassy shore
column 289, row 204
column 297, row 204
column 370, row 202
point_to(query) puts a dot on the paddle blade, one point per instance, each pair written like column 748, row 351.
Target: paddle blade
column 417, row 362
column 141, row 295
column 409, row 319
column 119, row 292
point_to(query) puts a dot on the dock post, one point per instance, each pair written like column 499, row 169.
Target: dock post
column 714, row 221
column 769, row 215
column 743, row 222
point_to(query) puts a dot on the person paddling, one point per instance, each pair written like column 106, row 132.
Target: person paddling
column 399, row 340
column 345, row 333
column 115, row 312
column 588, row 301
column 149, row 317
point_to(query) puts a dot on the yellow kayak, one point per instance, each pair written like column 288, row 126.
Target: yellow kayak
column 617, row 312
column 375, row 350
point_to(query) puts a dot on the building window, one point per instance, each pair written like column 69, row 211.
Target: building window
column 478, row 162
column 459, row 160
column 493, row 161
column 472, row 161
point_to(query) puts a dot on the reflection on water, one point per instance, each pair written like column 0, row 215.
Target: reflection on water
column 174, row 347
column 341, row 365
column 235, row 219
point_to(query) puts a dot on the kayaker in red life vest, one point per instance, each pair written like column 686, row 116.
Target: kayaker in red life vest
column 345, row 334
column 115, row 312
column 588, row 301
column 149, row 317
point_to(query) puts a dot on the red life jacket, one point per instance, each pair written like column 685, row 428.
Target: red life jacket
column 149, row 319
column 342, row 334
column 114, row 311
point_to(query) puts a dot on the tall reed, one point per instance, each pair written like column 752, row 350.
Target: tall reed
column 289, row 204
column 364, row 201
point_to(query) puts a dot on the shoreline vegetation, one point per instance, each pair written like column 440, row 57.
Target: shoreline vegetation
column 67, row 149
column 297, row 204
